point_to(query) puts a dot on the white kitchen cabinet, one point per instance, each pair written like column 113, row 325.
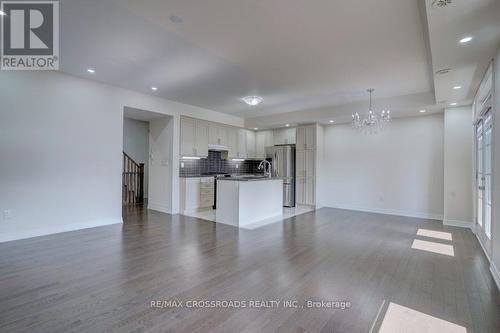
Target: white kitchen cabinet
column 201, row 138
column 306, row 165
column 310, row 163
column 284, row 136
column 300, row 163
column 242, row 144
column 232, row 142
column 263, row 139
column 306, row 137
column 300, row 191
column 310, row 189
column 188, row 137
column 250, row 142
column 305, row 191
column 194, row 137
column 196, row 194
column 217, row 134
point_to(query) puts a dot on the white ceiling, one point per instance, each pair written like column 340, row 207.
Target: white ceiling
column 297, row 55
column 479, row 19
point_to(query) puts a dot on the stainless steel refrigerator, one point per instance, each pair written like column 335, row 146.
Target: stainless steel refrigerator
column 282, row 160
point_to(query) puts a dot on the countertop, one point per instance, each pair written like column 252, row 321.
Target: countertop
column 215, row 175
column 247, row 179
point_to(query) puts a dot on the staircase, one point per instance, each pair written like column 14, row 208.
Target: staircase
column 132, row 181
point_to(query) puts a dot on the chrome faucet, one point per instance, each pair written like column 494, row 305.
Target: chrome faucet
column 266, row 165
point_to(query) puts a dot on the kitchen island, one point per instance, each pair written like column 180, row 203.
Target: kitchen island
column 243, row 201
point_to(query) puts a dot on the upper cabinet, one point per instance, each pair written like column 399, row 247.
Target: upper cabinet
column 188, row 136
column 306, row 137
column 284, row 136
column 250, row 142
column 217, row 134
column 232, row 142
column 242, row 151
column 194, row 137
column 263, row 139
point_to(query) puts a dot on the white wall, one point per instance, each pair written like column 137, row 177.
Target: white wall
column 496, row 172
column 458, row 161
column 136, row 145
column 61, row 147
column 397, row 171
column 160, row 164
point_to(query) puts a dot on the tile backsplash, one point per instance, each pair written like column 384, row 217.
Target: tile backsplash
column 215, row 164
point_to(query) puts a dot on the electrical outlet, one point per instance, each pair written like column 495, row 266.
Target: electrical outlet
column 7, row 214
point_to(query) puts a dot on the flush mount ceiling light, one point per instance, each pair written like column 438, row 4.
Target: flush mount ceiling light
column 440, row 3
column 332, row 121
column 465, row 40
column 255, row 129
column 91, row 70
column 457, row 87
column 287, row 125
column 422, row 111
column 154, row 88
column 373, row 121
column 453, row 104
column 443, row 71
column 252, row 100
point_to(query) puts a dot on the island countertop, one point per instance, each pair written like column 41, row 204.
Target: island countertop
column 244, row 201
column 247, row 178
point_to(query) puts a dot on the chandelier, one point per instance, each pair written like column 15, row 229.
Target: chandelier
column 373, row 121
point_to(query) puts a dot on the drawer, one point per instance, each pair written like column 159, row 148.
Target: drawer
column 207, row 192
column 206, row 201
column 205, row 186
column 209, row 180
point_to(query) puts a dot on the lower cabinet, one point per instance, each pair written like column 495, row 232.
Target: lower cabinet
column 306, row 191
column 196, row 194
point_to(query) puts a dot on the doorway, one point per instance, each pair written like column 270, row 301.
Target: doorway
column 135, row 161
column 147, row 162
column 483, row 143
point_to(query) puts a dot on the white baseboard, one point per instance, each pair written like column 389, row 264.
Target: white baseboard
column 427, row 216
column 11, row 236
column 458, row 223
column 495, row 273
column 159, row 208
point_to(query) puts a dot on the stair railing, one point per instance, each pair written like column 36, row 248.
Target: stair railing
column 133, row 181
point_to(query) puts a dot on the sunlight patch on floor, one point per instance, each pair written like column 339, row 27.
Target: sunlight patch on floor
column 434, row 234
column 433, row 247
column 402, row 319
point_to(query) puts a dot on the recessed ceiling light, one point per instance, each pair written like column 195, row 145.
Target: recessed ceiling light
column 287, row 125
column 422, row 111
column 252, row 100
column 465, row 40
column 332, row 121
column 457, row 87
column 2, row 13
column 453, row 104
column 154, row 88
column 176, row 19
column 255, row 129
column 91, row 70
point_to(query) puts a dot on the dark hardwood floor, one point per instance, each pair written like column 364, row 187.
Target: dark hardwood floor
column 104, row 279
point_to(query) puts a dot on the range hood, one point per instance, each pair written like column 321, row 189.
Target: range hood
column 218, row 148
